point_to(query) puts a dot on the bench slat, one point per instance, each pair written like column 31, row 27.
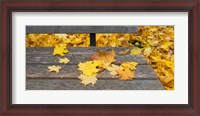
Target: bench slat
column 81, row 29
column 76, row 50
column 77, row 58
column 72, row 84
column 78, row 54
column 71, row 71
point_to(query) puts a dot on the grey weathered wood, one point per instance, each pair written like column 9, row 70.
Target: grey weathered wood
column 81, row 29
column 73, row 84
column 78, row 54
column 75, row 50
column 77, row 58
column 38, row 77
column 71, row 71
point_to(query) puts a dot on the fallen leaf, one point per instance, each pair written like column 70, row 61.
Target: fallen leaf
column 62, row 35
column 147, row 51
column 98, row 63
column 89, row 68
column 60, row 50
column 125, row 74
column 64, row 60
column 135, row 51
column 113, row 69
column 104, row 57
column 87, row 79
column 54, row 68
column 165, row 47
column 130, row 65
column 124, row 52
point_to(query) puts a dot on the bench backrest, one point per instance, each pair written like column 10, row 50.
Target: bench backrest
column 82, row 29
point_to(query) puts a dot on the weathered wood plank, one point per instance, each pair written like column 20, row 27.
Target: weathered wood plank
column 81, row 29
column 77, row 54
column 72, row 84
column 77, row 58
column 75, row 50
column 71, row 71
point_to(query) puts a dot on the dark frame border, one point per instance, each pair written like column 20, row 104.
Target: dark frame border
column 190, row 6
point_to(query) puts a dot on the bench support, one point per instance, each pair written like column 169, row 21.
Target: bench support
column 92, row 39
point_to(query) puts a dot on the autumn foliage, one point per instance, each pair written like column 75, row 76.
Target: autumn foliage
column 155, row 42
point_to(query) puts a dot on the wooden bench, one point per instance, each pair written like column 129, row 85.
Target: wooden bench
column 39, row 78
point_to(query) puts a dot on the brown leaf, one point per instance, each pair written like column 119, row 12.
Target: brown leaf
column 104, row 57
column 125, row 74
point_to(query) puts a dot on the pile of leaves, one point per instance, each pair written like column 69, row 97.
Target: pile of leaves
column 155, row 42
column 52, row 40
column 96, row 64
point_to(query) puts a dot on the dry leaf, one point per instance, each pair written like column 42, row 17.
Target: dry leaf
column 104, row 57
column 60, row 50
column 113, row 69
column 87, row 79
column 130, row 65
column 135, row 51
column 147, row 51
column 64, row 60
column 124, row 52
column 89, row 68
column 61, row 35
column 125, row 74
column 54, row 68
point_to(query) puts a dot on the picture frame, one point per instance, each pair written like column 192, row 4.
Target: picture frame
column 190, row 6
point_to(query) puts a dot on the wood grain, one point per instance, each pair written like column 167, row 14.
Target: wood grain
column 78, row 54
column 81, row 29
column 71, row 71
column 72, row 84
column 38, row 60
column 75, row 50
column 77, row 58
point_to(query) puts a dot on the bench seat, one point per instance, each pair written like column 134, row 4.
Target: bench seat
column 38, row 77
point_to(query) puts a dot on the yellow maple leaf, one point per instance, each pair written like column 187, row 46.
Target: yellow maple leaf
column 87, row 79
column 135, row 51
column 104, row 57
column 97, row 62
column 89, row 68
column 113, row 69
column 124, row 52
column 125, row 74
column 147, row 51
column 130, row 65
column 61, row 35
column 60, row 50
column 64, row 60
column 54, row 68
column 165, row 47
